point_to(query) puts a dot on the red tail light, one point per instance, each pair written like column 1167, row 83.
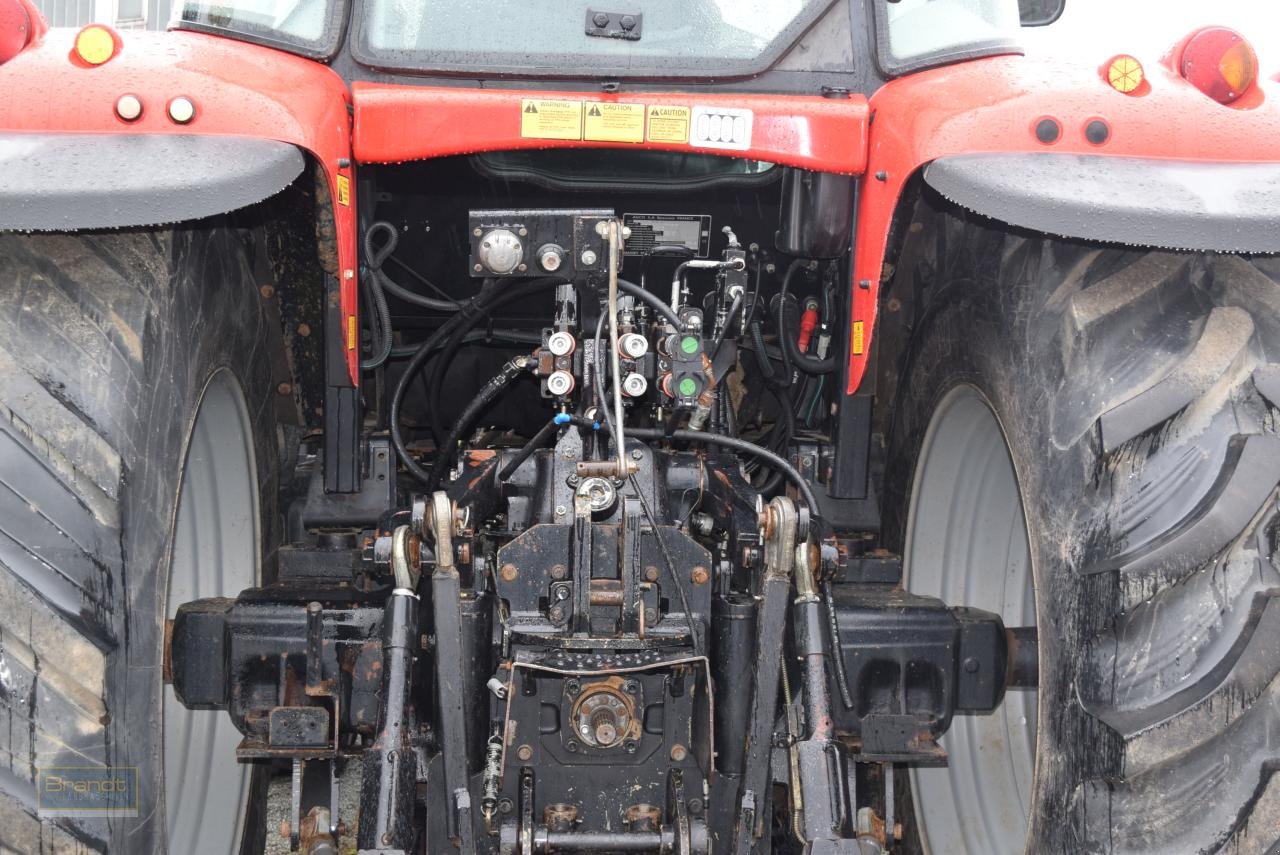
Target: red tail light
column 1220, row 63
column 15, row 29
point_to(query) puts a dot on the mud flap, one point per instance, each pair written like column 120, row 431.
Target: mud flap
column 1208, row 207
column 68, row 182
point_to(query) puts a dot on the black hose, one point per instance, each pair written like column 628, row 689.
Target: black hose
column 489, row 299
column 470, row 313
column 653, row 300
column 762, row 358
column 734, row 308
column 526, row 451
column 802, row 361
column 379, row 324
column 741, row 445
column 486, row 336
column 488, row 394
column 376, row 258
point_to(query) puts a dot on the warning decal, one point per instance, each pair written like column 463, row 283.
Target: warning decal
column 668, row 124
column 609, row 122
column 344, row 190
column 549, row 119
column 856, row 344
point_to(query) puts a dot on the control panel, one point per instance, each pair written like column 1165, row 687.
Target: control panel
column 544, row 242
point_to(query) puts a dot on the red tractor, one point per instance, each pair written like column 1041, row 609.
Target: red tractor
column 636, row 426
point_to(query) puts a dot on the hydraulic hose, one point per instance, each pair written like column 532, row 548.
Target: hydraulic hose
column 380, row 324
column 376, row 258
column 802, row 361
column 487, row 301
column 775, row 461
column 499, row 336
column 467, row 318
column 539, row 439
column 488, row 394
column 653, row 300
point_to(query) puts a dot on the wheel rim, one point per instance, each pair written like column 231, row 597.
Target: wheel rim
column 215, row 553
column 967, row 545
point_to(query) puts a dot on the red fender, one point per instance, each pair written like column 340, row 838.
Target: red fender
column 993, row 105
column 239, row 89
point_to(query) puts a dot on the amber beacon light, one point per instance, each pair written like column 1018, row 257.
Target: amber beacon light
column 1220, row 63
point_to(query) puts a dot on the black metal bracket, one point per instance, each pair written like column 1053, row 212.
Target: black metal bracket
column 614, row 25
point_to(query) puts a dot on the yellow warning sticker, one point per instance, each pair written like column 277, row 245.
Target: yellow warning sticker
column 344, row 190
column 549, row 119
column 608, row 122
column 351, row 332
column 668, row 124
column 856, row 345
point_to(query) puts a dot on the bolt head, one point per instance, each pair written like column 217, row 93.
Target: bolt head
column 588, row 257
column 525, row 752
column 678, row 753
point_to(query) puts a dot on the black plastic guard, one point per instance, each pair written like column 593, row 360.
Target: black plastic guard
column 65, row 182
column 1220, row 207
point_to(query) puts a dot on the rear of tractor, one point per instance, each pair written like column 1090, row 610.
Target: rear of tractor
column 663, row 429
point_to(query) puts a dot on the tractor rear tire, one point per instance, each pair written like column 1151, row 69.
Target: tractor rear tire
column 1138, row 394
column 110, row 345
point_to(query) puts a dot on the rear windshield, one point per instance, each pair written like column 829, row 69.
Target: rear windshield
column 668, row 38
column 308, row 27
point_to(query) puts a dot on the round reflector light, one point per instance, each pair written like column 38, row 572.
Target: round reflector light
column 1220, row 63
column 96, row 44
column 15, row 29
column 1125, row 73
column 182, row 110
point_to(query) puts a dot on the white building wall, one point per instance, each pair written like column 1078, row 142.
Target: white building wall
column 125, row 14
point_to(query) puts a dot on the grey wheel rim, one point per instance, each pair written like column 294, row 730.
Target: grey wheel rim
column 215, row 553
column 967, row 544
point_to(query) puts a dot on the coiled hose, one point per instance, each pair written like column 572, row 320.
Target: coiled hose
column 792, row 354
column 379, row 323
column 375, row 258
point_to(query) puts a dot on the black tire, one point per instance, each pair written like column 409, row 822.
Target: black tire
column 107, row 343
column 1138, row 396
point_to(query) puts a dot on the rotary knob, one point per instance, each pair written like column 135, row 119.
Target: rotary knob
column 500, row 251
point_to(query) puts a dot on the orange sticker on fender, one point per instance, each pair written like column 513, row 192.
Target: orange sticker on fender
column 856, row 342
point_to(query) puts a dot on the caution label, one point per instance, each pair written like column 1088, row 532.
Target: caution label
column 609, row 122
column 856, row 344
column 549, row 119
column 668, row 124
column 344, row 190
